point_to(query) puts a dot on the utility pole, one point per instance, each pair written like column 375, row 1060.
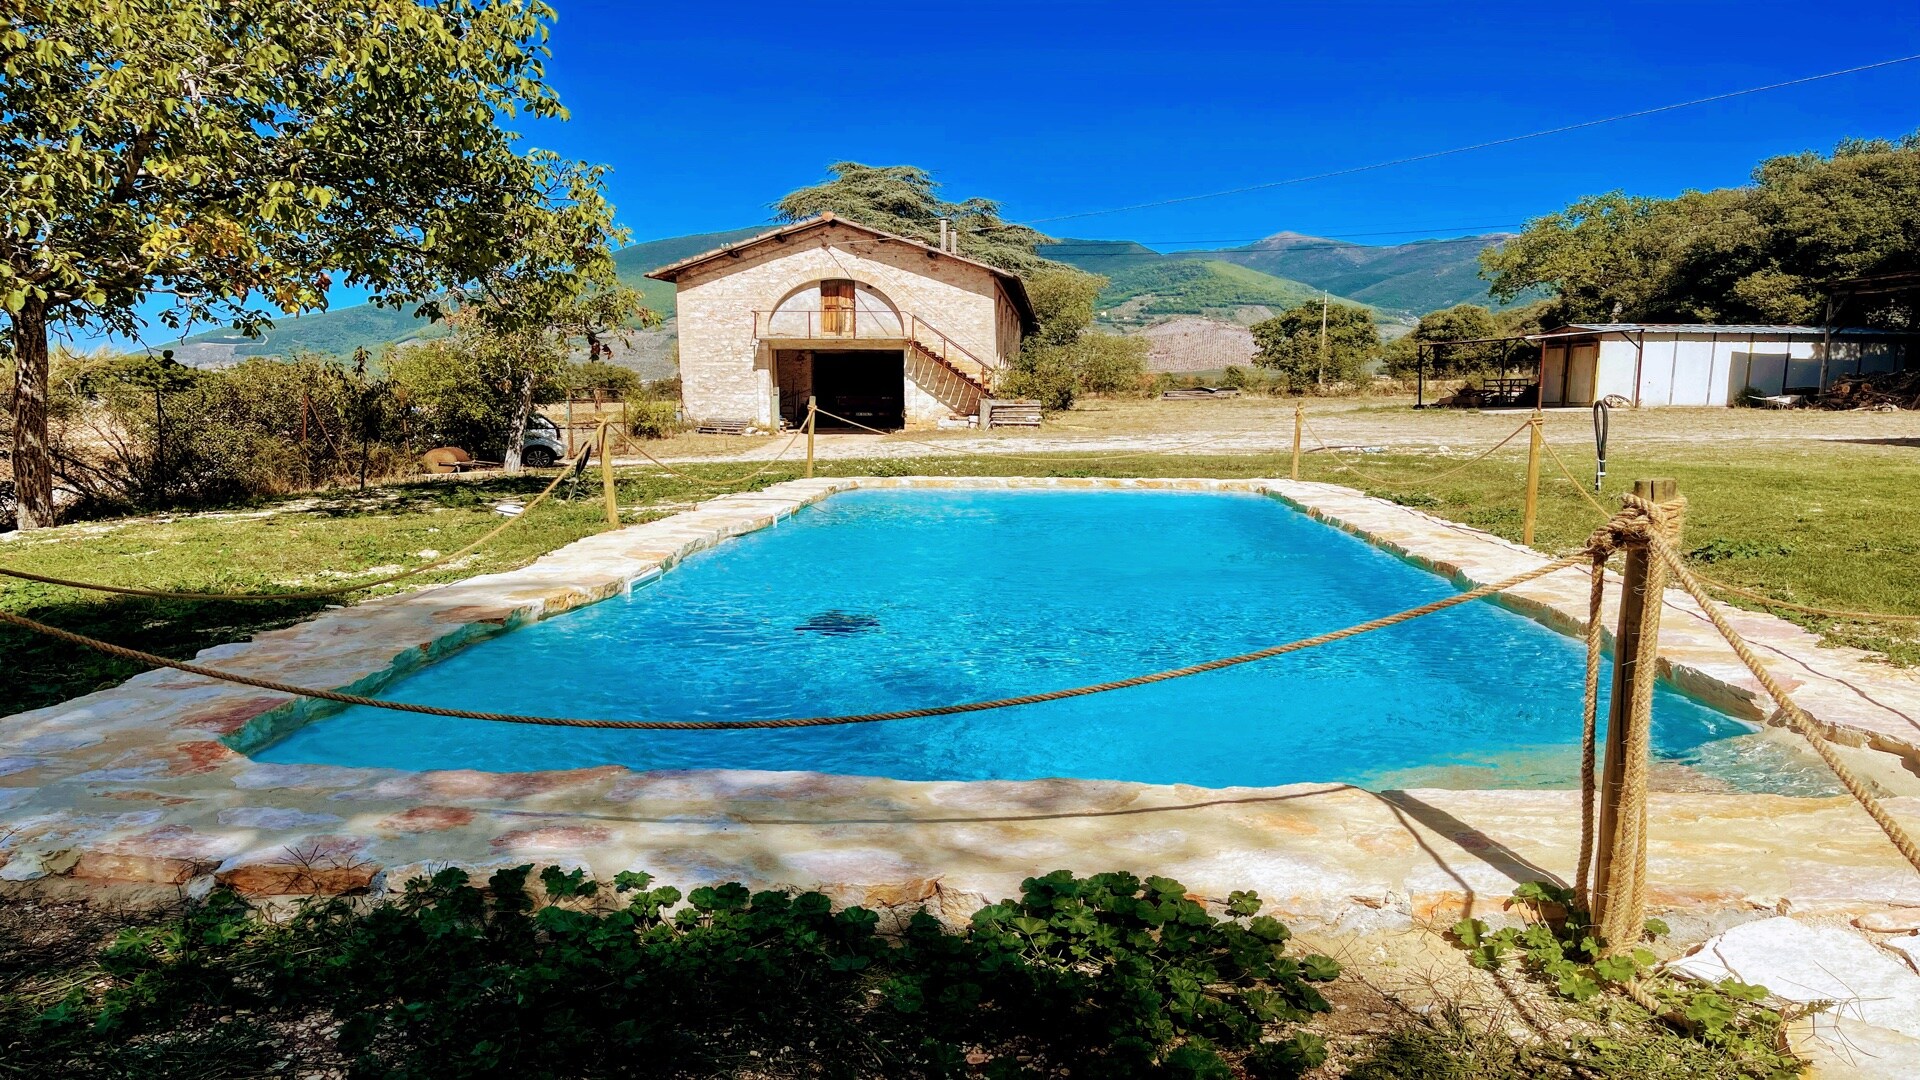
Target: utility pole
column 1322, row 378
column 360, row 359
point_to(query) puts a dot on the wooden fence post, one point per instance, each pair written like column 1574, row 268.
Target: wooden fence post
column 812, row 416
column 1299, row 421
column 606, row 479
column 1533, row 478
column 1620, row 887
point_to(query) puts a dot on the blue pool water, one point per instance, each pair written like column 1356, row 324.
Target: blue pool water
column 892, row 599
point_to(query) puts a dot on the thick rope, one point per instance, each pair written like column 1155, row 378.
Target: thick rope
column 1796, row 717
column 1638, row 759
column 1757, row 597
column 1383, row 482
column 1589, row 730
column 1762, row 598
column 1578, row 484
column 805, row 721
column 1640, row 522
column 314, row 594
column 1050, row 459
column 718, row 484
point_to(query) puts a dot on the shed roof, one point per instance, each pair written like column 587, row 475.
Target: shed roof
column 1754, row 329
column 1015, row 287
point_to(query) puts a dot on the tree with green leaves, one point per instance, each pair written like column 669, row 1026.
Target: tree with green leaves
column 1317, row 343
column 554, row 282
column 905, row 200
column 1778, row 249
column 1063, row 357
column 236, row 158
column 1467, row 323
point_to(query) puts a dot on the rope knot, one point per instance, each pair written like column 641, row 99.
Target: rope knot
column 1638, row 520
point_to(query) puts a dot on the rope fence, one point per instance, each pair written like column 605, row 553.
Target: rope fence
column 1757, row 597
column 572, row 467
column 1641, row 525
column 1386, row 483
column 725, row 483
column 257, row 682
column 1046, row 459
column 808, row 429
column 1611, row 874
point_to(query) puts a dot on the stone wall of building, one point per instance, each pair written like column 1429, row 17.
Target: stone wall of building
column 727, row 373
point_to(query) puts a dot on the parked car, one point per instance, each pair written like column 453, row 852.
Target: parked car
column 543, row 444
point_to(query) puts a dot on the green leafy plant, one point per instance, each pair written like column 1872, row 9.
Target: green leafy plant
column 557, row 974
column 1559, row 944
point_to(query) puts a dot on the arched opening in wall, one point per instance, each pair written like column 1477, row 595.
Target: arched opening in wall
column 843, row 343
column 837, row 309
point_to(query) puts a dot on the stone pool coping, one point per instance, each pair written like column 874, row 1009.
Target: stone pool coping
column 140, row 786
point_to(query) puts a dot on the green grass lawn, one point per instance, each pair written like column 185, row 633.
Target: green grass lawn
column 1825, row 524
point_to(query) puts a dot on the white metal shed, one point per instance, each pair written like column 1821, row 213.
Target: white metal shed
column 1653, row 364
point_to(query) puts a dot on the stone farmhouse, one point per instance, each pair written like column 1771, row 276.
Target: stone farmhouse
column 881, row 329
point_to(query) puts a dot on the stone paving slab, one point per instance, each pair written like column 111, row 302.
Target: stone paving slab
column 148, row 785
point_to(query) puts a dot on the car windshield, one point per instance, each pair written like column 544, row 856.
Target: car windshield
column 540, row 425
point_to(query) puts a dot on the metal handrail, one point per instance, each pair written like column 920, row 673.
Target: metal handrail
column 833, row 323
column 845, row 323
column 948, row 346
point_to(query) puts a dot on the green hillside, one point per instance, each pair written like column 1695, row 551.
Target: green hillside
column 340, row 332
column 1280, row 271
column 1197, row 287
column 1406, row 278
column 1418, row 277
column 1104, row 257
column 633, row 262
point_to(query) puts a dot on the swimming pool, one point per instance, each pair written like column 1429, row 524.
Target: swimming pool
column 876, row 600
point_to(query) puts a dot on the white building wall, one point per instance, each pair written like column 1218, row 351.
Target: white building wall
column 1708, row 369
column 1614, row 375
column 726, row 373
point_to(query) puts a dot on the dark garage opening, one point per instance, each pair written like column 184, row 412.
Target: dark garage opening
column 868, row 386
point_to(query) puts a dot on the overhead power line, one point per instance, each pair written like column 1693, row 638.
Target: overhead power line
column 1302, row 239
column 1508, row 140
column 1067, row 251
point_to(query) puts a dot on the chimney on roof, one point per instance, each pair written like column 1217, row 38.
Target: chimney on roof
column 944, row 236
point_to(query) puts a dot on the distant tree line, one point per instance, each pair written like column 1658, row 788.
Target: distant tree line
column 1779, row 249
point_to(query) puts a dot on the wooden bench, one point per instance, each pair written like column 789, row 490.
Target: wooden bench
column 1001, row 412
column 724, row 427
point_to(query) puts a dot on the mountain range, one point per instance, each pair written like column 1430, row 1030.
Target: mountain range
column 1145, row 287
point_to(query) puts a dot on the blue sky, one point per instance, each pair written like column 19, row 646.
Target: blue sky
column 710, row 111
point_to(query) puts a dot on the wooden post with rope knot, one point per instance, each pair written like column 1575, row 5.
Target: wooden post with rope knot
column 1619, row 903
column 1299, row 422
column 813, row 416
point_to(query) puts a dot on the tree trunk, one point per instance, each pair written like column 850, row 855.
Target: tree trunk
column 517, row 435
column 32, row 458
